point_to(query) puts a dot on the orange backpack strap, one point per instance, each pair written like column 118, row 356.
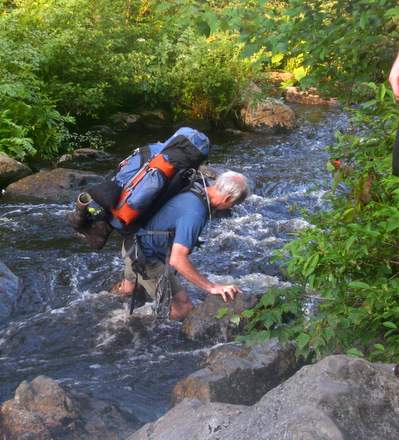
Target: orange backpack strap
column 162, row 164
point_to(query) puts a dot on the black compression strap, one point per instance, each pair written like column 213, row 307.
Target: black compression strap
column 145, row 155
column 198, row 190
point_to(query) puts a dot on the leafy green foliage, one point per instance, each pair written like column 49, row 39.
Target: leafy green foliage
column 350, row 256
column 278, row 314
column 207, row 76
column 89, row 59
column 13, row 139
column 339, row 50
column 348, row 261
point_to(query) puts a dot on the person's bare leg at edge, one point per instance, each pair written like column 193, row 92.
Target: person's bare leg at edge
column 181, row 302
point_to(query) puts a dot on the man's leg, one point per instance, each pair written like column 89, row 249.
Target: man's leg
column 181, row 306
column 124, row 287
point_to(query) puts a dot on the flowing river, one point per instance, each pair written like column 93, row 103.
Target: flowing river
column 68, row 328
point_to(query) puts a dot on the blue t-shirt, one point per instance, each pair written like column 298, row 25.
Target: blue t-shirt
column 186, row 214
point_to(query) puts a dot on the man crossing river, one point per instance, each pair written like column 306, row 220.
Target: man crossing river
column 172, row 233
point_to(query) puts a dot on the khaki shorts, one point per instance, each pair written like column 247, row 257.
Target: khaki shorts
column 154, row 269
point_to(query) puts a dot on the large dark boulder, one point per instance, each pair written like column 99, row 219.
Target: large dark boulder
column 42, row 410
column 190, row 420
column 202, row 322
column 238, row 374
column 10, row 291
column 267, row 115
column 11, row 170
column 339, row 398
column 60, row 185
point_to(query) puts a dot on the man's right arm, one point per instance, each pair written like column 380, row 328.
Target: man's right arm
column 394, row 78
column 179, row 260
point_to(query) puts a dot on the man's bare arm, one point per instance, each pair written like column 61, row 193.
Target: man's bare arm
column 179, row 259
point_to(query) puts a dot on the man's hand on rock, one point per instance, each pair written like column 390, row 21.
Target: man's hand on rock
column 227, row 292
column 394, row 78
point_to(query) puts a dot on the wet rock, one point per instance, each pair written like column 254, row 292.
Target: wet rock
column 190, row 420
column 10, row 291
column 308, row 97
column 120, row 330
column 59, row 185
column 42, row 410
column 11, row 170
column 123, row 121
column 202, row 323
column 83, row 158
column 85, row 153
column 238, row 374
column 153, row 119
column 266, row 115
column 277, row 78
column 339, row 398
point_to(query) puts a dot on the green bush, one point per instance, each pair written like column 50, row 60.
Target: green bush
column 208, row 74
column 339, row 50
column 349, row 259
column 30, row 121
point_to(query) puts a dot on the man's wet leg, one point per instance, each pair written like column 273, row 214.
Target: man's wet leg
column 181, row 306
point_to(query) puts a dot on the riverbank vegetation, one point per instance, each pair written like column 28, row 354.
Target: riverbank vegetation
column 347, row 263
column 66, row 64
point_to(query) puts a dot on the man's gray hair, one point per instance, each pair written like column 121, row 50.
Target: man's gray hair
column 233, row 184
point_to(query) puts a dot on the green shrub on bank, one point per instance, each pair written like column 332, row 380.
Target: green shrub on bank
column 204, row 77
column 349, row 259
column 30, row 122
column 343, row 44
column 91, row 59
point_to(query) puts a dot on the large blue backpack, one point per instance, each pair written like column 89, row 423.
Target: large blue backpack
column 149, row 177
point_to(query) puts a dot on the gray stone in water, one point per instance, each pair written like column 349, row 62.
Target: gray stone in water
column 339, row 398
column 86, row 154
column 267, row 115
column 190, row 420
column 202, row 323
column 59, row 185
column 43, row 410
column 10, row 290
column 11, row 170
column 238, row 374
column 123, row 121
